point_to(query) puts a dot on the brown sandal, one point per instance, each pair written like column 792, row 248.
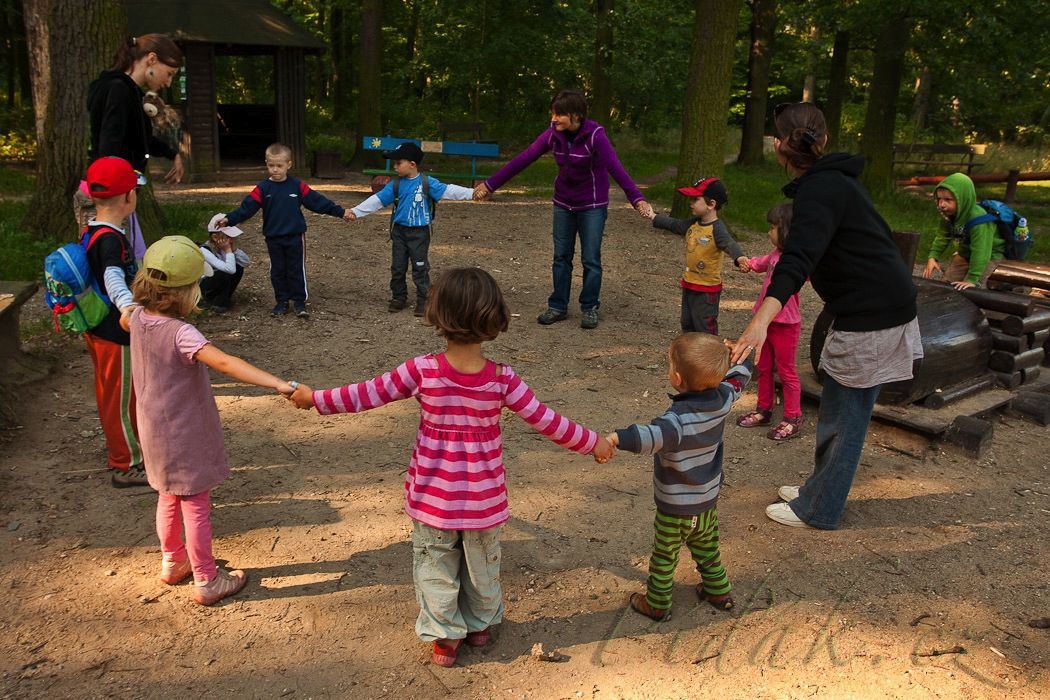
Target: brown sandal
column 754, row 419
column 793, row 428
column 717, row 602
column 640, row 605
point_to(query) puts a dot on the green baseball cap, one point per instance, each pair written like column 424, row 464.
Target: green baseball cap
column 179, row 258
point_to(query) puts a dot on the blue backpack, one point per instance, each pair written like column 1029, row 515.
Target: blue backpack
column 71, row 290
column 1012, row 227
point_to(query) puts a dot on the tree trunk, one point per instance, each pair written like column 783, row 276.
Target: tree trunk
column 70, row 41
column 921, row 106
column 410, row 45
column 763, row 25
column 600, row 106
column 809, row 87
column 837, row 86
column 707, row 94
column 881, row 117
column 10, row 49
column 369, row 97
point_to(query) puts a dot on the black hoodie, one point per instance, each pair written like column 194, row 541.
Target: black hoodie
column 840, row 243
column 119, row 126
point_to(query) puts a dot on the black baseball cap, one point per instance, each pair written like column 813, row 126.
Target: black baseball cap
column 407, row 150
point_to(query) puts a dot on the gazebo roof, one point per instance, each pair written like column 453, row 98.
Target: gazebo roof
column 240, row 22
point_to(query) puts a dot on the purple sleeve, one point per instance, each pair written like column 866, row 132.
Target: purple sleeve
column 541, row 145
column 188, row 340
column 607, row 157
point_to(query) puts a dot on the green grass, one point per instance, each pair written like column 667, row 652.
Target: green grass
column 16, row 181
column 188, row 219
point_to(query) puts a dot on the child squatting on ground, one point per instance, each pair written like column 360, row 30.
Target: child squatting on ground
column 781, row 346
column 281, row 198
column 706, row 238
column 686, row 444
column 413, row 197
column 179, row 423
column 227, row 263
column 455, row 488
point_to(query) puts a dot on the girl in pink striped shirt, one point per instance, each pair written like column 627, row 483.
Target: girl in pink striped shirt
column 455, row 490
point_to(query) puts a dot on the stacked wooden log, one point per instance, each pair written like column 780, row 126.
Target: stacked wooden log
column 1020, row 334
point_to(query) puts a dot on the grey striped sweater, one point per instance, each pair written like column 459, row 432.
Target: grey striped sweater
column 686, row 444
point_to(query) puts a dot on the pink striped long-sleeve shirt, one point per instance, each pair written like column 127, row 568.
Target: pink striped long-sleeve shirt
column 455, row 479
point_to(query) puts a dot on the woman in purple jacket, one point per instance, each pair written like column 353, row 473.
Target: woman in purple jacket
column 585, row 160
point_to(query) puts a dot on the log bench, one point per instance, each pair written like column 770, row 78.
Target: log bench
column 16, row 367
column 938, row 154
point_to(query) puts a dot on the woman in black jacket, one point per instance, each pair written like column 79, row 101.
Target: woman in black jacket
column 843, row 246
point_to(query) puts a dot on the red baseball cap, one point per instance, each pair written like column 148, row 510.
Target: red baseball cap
column 111, row 176
column 708, row 188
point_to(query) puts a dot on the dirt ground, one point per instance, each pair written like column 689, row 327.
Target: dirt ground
column 925, row 591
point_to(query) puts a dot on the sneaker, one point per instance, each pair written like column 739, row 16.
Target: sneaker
column 551, row 316
column 280, row 309
column 589, row 319
column 418, row 311
column 300, row 310
column 225, row 584
column 396, row 305
column 175, row 572
column 134, row 476
column 782, row 513
column 787, row 493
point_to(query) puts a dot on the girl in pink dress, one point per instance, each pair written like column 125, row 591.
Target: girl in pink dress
column 455, row 488
column 179, row 423
column 781, row 347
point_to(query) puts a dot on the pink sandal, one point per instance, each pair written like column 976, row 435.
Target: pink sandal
column 445, row 652
column 754, row 419
column 786, row 429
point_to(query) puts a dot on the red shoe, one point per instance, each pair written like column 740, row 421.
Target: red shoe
column 479, row 638
column 445, row 652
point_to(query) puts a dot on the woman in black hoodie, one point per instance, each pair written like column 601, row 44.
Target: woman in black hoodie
column 840, row 243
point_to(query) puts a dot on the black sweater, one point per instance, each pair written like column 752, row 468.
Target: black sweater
column 119, row 126
column 841, row 244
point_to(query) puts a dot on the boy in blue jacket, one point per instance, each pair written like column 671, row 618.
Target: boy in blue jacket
column 281, row 198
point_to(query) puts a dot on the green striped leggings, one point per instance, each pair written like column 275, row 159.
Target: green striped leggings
column 700, row 534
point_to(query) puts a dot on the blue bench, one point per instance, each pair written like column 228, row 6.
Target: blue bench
column 468, row 149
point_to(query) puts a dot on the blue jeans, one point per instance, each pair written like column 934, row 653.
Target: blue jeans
column 590, row 224
column 842, row 425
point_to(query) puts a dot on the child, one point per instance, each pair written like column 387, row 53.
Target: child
column 281, row 197
column 181, row 432
column 686, row 442
column 706, row 238
column 410, row 223
column 977, row 249
column 111, row 257
column 227, row 263
column 455, row 489
column 781, row 344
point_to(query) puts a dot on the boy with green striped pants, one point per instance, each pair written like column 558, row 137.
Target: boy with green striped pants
column 686, row 444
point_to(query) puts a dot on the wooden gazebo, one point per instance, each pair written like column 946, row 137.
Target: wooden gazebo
column 209, row 28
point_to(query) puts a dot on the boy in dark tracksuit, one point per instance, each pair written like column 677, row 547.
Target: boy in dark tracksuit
column 281, row 198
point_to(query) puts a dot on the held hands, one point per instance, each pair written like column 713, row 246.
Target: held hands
column 285, row 389
column 743, row 264
column 349, row 215
column 931, row 265
column 302, row 397
column 604, row 449
column 645, row 209
column 481, row 192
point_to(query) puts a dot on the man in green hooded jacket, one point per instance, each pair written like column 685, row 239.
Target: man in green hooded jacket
column 978, row 249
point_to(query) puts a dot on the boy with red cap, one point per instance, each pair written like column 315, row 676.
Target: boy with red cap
column 706, row 239
column 111, row 183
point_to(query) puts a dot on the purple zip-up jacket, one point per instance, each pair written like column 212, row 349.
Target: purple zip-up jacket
column 583, row 167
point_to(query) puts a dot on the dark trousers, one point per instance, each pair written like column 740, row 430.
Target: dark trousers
column 410, row 245
column 288, row 267
column 700, row 311
column 589, row 225
column 218, row 289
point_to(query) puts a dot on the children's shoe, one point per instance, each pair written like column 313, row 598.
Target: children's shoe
column 718, row 602
column 589, row 319
column 782, row 513
column 225, row 584
column 175, row 572
column 396, row 305
column 787, row 429
column 445, row 652
column 300, row 310
column 280, row 309
column 788, row 493
column 550, row 316
column 134, row 476
column 640, row 604
column 479, row 638
column 418, row 311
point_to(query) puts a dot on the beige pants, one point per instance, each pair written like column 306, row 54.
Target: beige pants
column 958, row 267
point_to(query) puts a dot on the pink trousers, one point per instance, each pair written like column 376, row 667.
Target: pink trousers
column 193, row 513
column 779, row 352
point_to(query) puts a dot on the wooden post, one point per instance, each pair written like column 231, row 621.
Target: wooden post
column 1011, row 185
column 201, row 113
column 908, row 244
column 290, row 95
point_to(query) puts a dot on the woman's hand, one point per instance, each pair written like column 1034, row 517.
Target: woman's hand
column 645, row 209
column 481, row 192
column 931, row 265
column 752, row 339
column 174, row 175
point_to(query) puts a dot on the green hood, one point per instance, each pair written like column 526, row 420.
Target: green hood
column 962, row 189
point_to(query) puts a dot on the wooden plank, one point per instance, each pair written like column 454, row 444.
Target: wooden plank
column 1005, row 302
column 448, row 148
column 1002, row 361
column 1010, row 343
column 941, row 398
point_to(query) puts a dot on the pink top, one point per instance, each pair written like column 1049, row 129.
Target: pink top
column 790, row 313
column 178, row 422
column 455, row 478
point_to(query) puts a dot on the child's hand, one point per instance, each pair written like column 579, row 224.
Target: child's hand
column 743, row 264
column 349, row 215
column 481, row 192
column 222, row 223
column 302, row 397
column 603, row 450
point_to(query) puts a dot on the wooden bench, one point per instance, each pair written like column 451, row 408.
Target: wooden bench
column 16, row 367
column 938, row 154
column 467, row 149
